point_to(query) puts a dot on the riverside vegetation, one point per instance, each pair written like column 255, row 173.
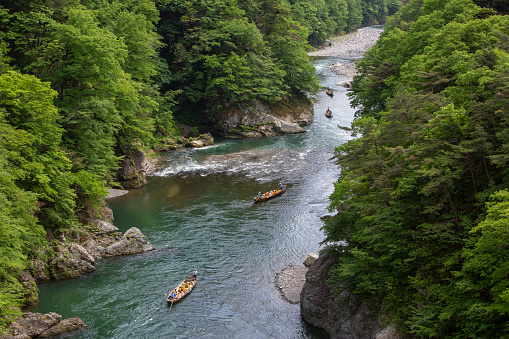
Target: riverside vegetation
column 422, row 229
column 86, row 83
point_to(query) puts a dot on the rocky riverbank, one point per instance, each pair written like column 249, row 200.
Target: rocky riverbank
column 71, row 255
column 351, row 45
column 341, row 316
column 257, row 120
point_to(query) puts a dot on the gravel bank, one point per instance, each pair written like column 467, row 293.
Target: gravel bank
column 113, row 193
column 351, row 45
column 290, row 282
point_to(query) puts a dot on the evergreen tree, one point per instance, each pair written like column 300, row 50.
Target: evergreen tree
column 429, row 152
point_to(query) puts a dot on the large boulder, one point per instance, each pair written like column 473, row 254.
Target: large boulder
column 37, row 325
column 310, row 259
column 342, row 316
column 31, row 325
column 202, row 141
column 64, row 326
column 132, row 242
column 134, row 170
column 260, row 120
column 71, row 261
column 345, row 83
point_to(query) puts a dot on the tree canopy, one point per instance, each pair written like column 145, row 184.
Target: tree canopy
column 422, row 196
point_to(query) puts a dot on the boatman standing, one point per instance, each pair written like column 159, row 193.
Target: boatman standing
column 195, row 273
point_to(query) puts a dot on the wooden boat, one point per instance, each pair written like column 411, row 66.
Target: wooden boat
column 270, row 194
column 329, row 92
column 182, row 290
column 328, row 113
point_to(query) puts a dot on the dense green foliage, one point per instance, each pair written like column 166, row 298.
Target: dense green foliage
column 422, row 200
column 324, row 18
column 223, row 53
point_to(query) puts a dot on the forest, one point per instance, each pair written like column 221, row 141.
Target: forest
column 85, row 83
column 422, row 228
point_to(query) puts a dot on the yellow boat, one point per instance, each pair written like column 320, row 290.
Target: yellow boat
column 182, row 289
column 270, row 194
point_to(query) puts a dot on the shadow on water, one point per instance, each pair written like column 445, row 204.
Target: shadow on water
column 198, row 211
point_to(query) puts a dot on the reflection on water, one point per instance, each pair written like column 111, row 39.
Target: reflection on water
column 198, row 212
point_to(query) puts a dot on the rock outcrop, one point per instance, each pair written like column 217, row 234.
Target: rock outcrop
column 259, row 120
column 134, row 170
column 76, row 257
column 202, row 141
column 70, row 258
column 190, row 138
column 71, row 261
column 342, row 316
column 310, row 259
column 345, row 84
column 132, row 242
column 108, row 241
column 37, row 325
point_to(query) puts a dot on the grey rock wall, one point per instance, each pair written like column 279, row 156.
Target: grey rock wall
column 341, row 316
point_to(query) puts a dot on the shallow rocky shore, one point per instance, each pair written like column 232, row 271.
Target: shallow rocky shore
column 113, row 193
column 291, row 279
column 290, row 282
column 351, row 45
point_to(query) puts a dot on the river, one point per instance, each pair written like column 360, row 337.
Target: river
column 198, row 211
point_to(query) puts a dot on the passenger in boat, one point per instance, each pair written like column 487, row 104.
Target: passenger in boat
column 195, row 273
column 259, row 195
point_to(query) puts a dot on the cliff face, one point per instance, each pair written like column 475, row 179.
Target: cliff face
column 342, row 316
column 259, row 120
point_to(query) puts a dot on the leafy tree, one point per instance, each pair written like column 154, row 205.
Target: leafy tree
column 43, row 168
column 430, row 150
column 218, row 56
column 32, row 188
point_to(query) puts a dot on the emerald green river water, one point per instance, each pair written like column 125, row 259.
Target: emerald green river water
column 198, row 211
